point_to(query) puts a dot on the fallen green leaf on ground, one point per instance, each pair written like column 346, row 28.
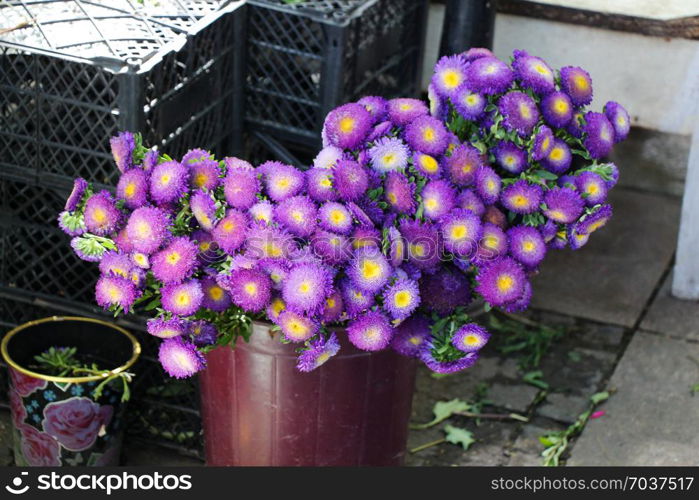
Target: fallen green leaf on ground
column 458, row 435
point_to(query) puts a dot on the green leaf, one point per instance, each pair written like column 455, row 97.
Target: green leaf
column 549, row 440
column 457, row 435
column 599, row 397
column 545, row 174
column 443, row 410
column 534, row 378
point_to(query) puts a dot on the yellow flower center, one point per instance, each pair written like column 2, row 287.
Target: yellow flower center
column 143, row 229
column 173, row 258
column 216, row 292
column 525, row 110
column 415, row 340
column 250, row 288
column 326, row 182
column 459, row 232
column 581, row 82
column 392, row 198
column 283, row 182
column 165, row 179
column 541, row 69
column 337, row 216
column 406, row 106
column 297, row 216
column 200, row 179
column 528, row 246
column 556, row 154
column 322, row 358
column 418, row 250
column 130, row 190
column 330, row 302
column 114, row 293
column 471, row 340
column 546, row 143
column 519, row 201
column 431, row 203
column 370, row 269
column 429, row 164
column 471, row 99
column 99, row 216
column 451, row 79
column 347, row 124
column 561, row 106
column 505, row 282
column 204, row 246
column 304, row 287
column 402, row 298
column 428, row 134
column 278, row 306
column 556, row 215
column 592, row 189
column 228, row 226
column 371, row 333
column 182, row 299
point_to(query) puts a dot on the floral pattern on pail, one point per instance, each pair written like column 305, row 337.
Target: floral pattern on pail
column 61, row 424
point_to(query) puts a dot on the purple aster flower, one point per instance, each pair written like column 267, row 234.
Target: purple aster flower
column 397, row 250
column 351, row 180
column 476, row 53
column 282, row 181
column 360, row 213
column 208, row 248
column 204, row 170
column 403, row 110
column 335, row 217
column 560, row 240
column 276, row 269
column 233, row 163
column 510, row 157
column 438, row 198
column 298, row 215
column 493, row 243
column 327, row 158
column 180, row 359
column 543, row 143
column 461, row 232
column 563, row 205
column 203, row 208
column 176, row 261
column 595, row 220
column 526, row 245
column 557, row 109
column 375, row 105
column 262, row 213
column 203, row 333
column 369, row 269
column 469, row 200
column 410, row 335
column 575, row 127
column 182, row 299
column 167, row 328
column 592, row 188
column 424, row 243
column 522, row 303
column 240, row 187
column 86, row 250
column 275, row 308
column 428, row 357
column 575, row 239
column 469, row 104
column 522, row 197
column 333, row 309
column 320, row 184
column 215, row 297
column 115, row 264
column 438, row 104
column 519, row 111
column 599, row 134
column 250, row 289
column 533, row 73
column 331, row 247
column 370, row 332
column 295, row 326
column 449, row 75
column 559, row 158
column 470, row 338
column 388, row 154
column 619, row 118
column 427, row 134
column 462, row 165
column 122, row 241
column 229, row 234
column 354, row 298
column 488, row 184
column 365, row 237
column 318, row 353
column 488, row 75
column 80, row 185
column 150, row 160
column 123, row 146
column 168, row 182
column 401, row 298
column 576, row 82
column 613, row 175
column 306, row 287
column 101, row 215
column 115, row 290
column 427, row 165
column 71, row 224
column 269, row 243
column 445, row 290
column 399, row 193
column 501, row 282
column 347, row 126
column 379, row 131
column 548, row 230
column 133, row 188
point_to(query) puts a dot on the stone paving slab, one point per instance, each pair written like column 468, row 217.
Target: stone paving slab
column 653, row 161
column 612, row 277
column 653, row 417
column 672, row 317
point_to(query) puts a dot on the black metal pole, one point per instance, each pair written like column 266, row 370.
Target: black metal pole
column 467, row 23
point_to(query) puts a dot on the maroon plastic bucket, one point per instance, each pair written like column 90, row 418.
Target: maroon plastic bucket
column 258, row 409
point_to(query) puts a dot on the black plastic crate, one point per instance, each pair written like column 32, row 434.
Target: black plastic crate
column 84, row 70
column 305, row 58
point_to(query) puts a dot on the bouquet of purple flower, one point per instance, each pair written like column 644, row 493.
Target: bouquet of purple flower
column 407, row 215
